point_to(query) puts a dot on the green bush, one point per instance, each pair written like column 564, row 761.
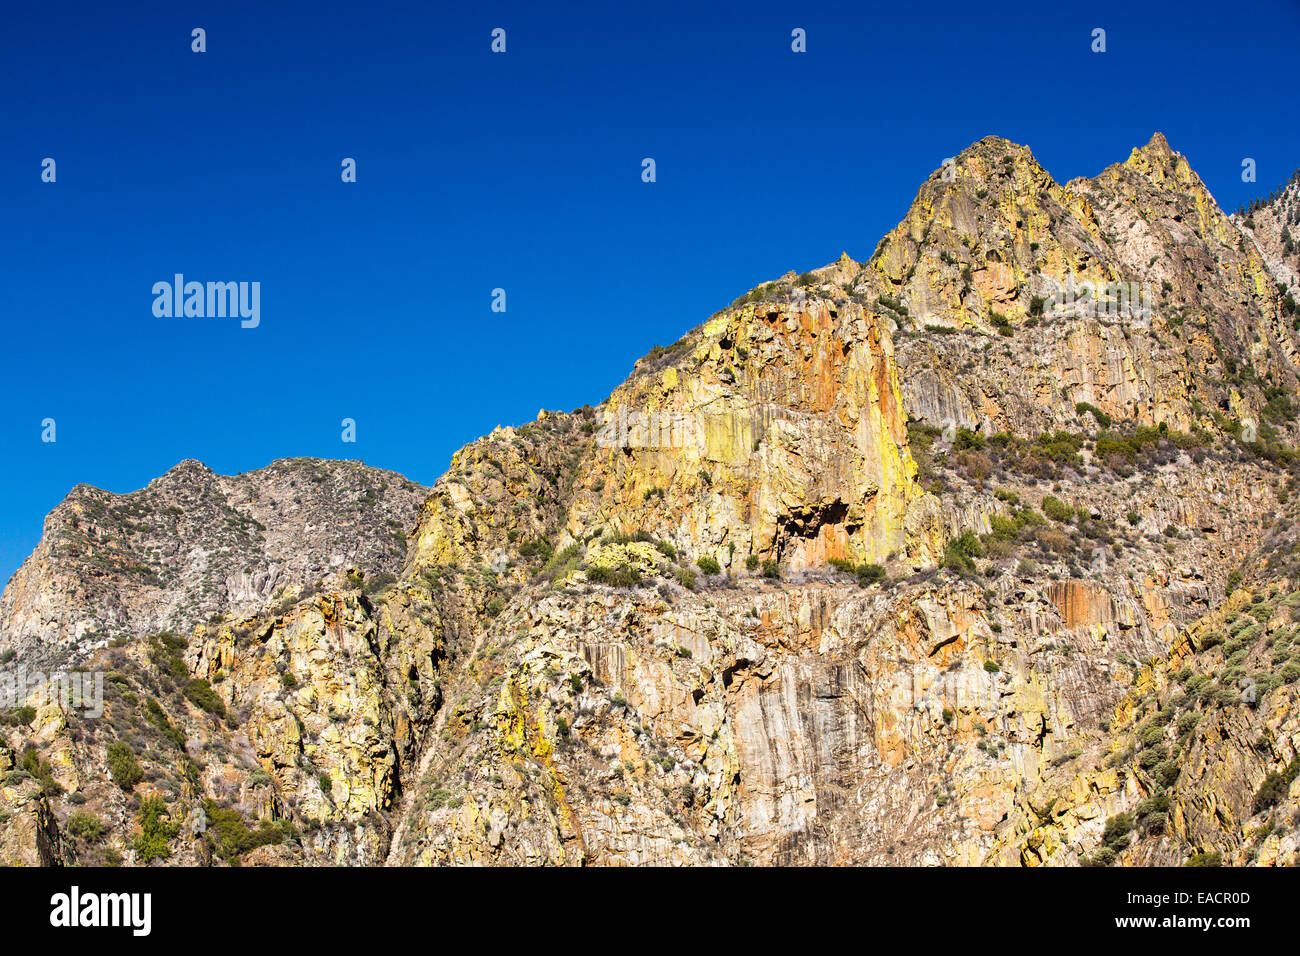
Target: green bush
column 869, row 574
column 1157, row 804
column 1118, row 828
column 751, row 562
column 156, row 830
column 1143, row 444
column 1275, row 787
column 1187, row 723
column 1151, row 757
column 1056, row 509
column 957, row 553
column 165, row 654
column 1006, row 530
column 230, row 835
column 154, row 714
column 771, row 569
column 623, row 576
column 260, row 778
column 1102, row 418
column 87, row 826
column 562, row 563
column 122, row 765
column 538, row 548
column 33, row 765
column 708, row 565
column 201, row 694
column 1103, row 857
column 1152, row 736
column 379, row 582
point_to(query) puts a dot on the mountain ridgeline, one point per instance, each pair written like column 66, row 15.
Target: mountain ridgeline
column 979, row 552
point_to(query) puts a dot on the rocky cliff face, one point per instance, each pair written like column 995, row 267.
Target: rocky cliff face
column 1273, row 226
column 1169, row 296
column 195, row 544
column 931, row 559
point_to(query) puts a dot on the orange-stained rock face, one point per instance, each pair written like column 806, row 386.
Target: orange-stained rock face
column 1080, row 603
column 792, row 594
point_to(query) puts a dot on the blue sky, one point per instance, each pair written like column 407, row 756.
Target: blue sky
column 518, row 170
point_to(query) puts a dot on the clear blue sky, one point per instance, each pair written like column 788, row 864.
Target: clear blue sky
column 520, row 171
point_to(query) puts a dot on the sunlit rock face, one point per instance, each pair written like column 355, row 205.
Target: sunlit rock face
column 927, row 560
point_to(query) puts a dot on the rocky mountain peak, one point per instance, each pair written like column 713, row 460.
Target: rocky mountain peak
column 920, row 560
column 1157, row 145
column 193, row 543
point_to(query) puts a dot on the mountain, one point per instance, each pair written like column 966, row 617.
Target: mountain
column 195, row 544
column 1273, row 225
column 978, row 552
